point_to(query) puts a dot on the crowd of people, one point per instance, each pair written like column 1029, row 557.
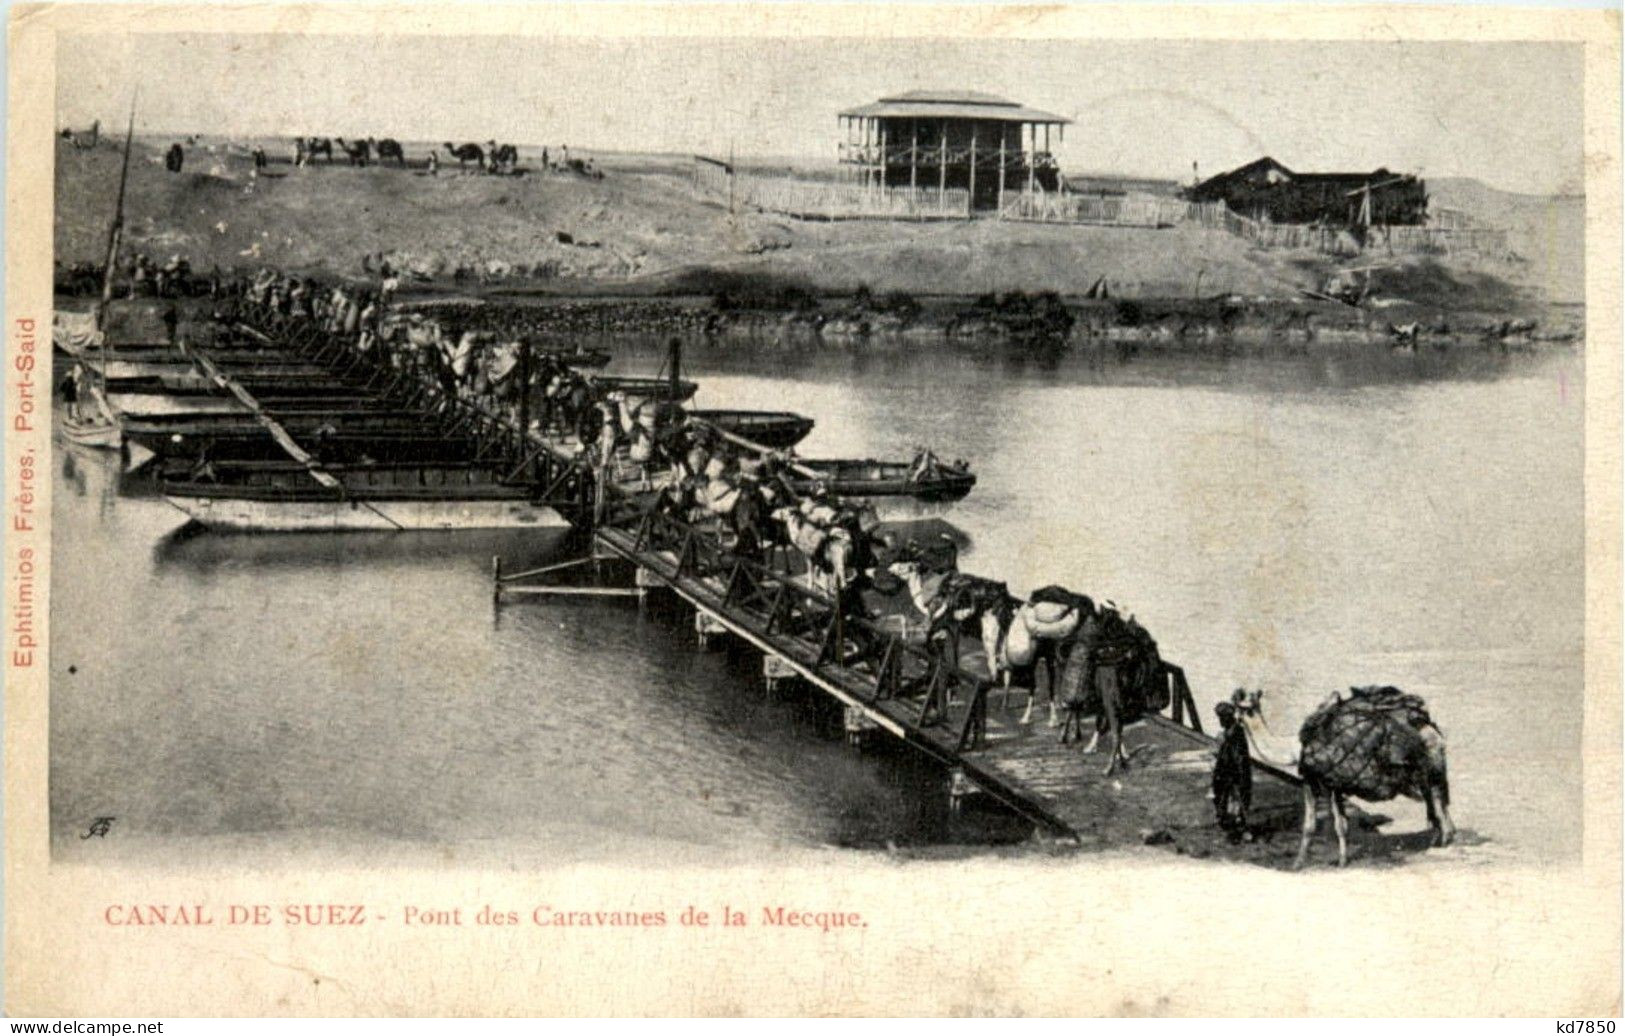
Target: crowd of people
column 473, row 365
column 643, row 317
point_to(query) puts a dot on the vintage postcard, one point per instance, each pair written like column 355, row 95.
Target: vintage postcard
column 812, row 510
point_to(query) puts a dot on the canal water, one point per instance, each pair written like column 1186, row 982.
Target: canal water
column 1300, row 523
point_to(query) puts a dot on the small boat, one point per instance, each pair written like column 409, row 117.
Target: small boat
column 287, row 497
column 153, row 404
column 197, row 384
column 646, row 388
column 585, row 359
column 345, row 418
column 150, row 364
column 903, row 487
column 330, row 444
column 775, row 429
column 161, row 404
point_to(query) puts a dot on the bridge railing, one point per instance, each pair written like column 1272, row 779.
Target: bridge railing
column 773, row 603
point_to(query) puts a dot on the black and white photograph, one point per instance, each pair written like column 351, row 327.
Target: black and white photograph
column 928, row 464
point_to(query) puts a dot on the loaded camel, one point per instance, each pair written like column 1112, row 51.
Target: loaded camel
column 360, row 152
column 307, row 148
column 949, row 600
column 569, row 402
column 644, row 426
column 1020, row 637
column 1113, row 671
column 1376, row 744
column 387, row 149
column 835, row 541
column 466, row 153
column 501, row 156
column 709, row 488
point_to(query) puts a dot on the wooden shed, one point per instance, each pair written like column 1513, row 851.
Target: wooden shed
column 1267, row 190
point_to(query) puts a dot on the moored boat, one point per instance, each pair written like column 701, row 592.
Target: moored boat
column 152, row 364
column 774, row 429
column 669, row 389
column 585, row 359
column 920, row 486
column 286, row 497
column 161, row 404
column 330, row 443
column 91, row 423
column 193, row 383
column 297, row 422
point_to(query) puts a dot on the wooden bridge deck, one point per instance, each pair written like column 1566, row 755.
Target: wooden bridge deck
column 1162, row 797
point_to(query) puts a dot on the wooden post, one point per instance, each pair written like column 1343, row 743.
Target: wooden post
column 868, row 151
column 942, row 171
column 958, row 787
column 1001, row 170
column 970, row 202
column 674, row 360
column 913, row 152
column 524, row 393
column 881, row 177
column 1032, row 155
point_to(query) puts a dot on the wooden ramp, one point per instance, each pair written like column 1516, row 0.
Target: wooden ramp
column 889, row 683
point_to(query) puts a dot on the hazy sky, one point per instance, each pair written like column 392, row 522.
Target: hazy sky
column 1509, row 114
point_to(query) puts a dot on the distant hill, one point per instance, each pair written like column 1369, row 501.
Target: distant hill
column 1546, row 230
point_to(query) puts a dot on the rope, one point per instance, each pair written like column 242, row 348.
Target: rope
column 1351, row 743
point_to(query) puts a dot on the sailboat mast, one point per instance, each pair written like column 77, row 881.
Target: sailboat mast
column 114, row 234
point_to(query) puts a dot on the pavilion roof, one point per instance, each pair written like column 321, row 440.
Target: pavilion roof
column 952, row 104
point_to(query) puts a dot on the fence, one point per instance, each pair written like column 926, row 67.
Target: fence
column 1448, row 240
column 811, row 199
column 1448, row 230
column 1122, row 210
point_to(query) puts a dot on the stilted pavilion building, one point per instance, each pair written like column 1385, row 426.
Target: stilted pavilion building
column 952, row 140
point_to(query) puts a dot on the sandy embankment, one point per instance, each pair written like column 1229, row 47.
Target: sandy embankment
column 642, row 230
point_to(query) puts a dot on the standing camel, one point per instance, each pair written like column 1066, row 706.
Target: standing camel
column 948, row 600
column 1113, row 672
column 830, row 550
column 1022, row 637
column 466, row 153
column 389, row 148
column 503, row 157
column 1376, row 744
column 360, row 152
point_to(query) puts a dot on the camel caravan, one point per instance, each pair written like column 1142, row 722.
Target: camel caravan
column 359, row 153
column 494, row 158
column 1094, row 668
column 490, row 158
column 1090, row 661
column 1375, row 743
